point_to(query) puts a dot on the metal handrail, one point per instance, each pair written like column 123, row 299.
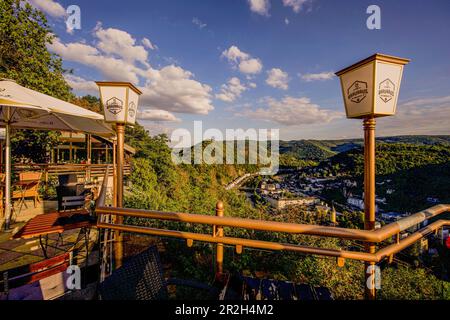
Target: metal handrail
column 388, row 251
column 102, row 196
column 376, row 236
column 107, row 234
column 326, row 231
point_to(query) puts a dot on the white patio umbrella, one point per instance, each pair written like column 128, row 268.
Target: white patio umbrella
column 28, row 109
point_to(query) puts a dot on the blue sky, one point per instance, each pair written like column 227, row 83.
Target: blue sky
column 258, row 63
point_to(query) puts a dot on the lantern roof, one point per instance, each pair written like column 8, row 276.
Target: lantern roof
column 118, row 84
column 376, row 56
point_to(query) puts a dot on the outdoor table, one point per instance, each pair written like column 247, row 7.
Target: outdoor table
column 55, row 223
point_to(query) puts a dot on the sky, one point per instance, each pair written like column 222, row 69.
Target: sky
column 257, row 63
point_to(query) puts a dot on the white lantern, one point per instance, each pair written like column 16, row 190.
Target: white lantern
column 120, row 101
column 371, row 87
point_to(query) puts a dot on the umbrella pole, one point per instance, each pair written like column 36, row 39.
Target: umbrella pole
column 7, row 168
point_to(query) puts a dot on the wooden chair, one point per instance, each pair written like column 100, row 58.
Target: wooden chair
column 29, row 187
column 70, row 203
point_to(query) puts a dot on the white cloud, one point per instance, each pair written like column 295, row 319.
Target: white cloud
column 234, row 54
column 317, row 76
column 50, row 7
column 291, row 111
column 243, row 61
column 80, row 84
column 231, row 91
column 252, row 85
column 436, row 101
column 157, row 127
column 170, row 88
column 91, row 56
column 286, row 21
column 119, row 43
column 198, row 23
column 418, row 116
column 296, row 5
column 157, row 115
column 148, row 44
column 277, row 78
column 260, row 7
column 250, row 66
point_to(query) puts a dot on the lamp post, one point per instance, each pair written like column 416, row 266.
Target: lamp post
column 370, row 89
column 120, row 102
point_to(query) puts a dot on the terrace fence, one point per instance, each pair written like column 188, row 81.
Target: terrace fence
column 107, row 221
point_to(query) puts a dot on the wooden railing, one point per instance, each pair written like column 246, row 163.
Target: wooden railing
column 97, row 170
column 219, row 238
column 83, row 171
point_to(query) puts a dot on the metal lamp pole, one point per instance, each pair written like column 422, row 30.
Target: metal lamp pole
column 120, row 128
column 370, row 89
column 369, row 200
column 120, row 102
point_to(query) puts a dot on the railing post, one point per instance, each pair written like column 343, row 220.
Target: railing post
column 218, row 232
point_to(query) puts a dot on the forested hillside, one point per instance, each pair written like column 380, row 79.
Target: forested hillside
column 322, row 149
column 156, row 183
column 414, row 171
column 392, row 158
column 306, row 150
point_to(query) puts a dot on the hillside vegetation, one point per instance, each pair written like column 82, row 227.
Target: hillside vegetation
column 158, row 184
column 414, row 171
column 306, row 150
column 392, row 158
column 323, row 149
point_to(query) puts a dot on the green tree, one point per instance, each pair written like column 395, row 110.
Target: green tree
column 404, row 283
column 24, row 57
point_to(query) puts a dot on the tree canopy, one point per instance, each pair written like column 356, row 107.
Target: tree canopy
column 24, row 57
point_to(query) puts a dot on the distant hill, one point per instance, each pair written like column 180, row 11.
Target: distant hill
column 307, row 149
column 305, row 153
column 421, row 140
column 414, row 171
column 323, row 149
column 391, row 158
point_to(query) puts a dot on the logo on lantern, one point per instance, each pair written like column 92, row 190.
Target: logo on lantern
column 357, row 91
column 131, row 109
column 386, row 90
column 114, row 105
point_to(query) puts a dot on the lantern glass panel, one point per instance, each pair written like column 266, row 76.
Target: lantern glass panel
column 388, row 81
column 114, row 103
column 357, row 86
